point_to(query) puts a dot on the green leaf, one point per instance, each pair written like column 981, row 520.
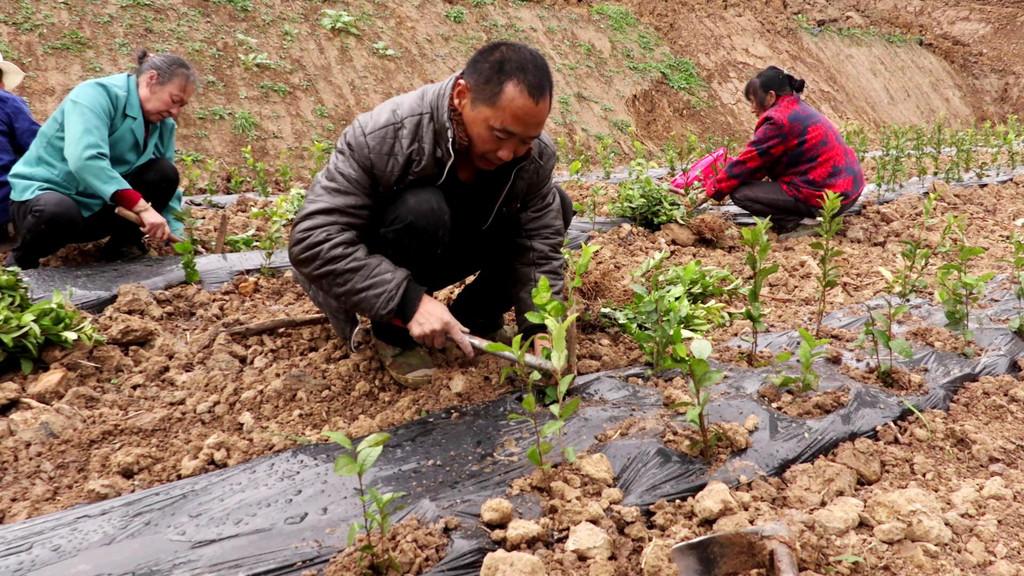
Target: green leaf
column 569, row 453
column 26, row 365
column 338, row 438
column 345, row 465
column 367, row 457
column 373, row 440
column 353, row 532
column 569, row 408
column 529, row 403
column 533, row 455
column 902, row 347
column 701, row 349
column 550, row 428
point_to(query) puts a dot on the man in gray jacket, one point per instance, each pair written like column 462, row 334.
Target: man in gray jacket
column 427, row 189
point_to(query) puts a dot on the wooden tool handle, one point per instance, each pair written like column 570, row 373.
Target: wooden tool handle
column 134, row 219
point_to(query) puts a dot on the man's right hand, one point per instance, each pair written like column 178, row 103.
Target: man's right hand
column 154, row 225
column 433, row 324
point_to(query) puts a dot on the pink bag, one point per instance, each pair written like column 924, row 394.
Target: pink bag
column 703, row 171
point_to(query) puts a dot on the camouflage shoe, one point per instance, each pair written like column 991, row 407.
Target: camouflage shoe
column 410, row 367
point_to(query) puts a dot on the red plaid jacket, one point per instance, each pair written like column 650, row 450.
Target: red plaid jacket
column 796, row 146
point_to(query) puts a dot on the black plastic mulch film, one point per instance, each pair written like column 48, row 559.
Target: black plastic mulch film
column 287, row 513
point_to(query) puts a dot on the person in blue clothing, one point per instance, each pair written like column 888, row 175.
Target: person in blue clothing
column 17, row 130
column 109, row 144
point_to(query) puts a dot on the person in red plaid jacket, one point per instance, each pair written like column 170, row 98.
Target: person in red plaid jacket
column 798, row 150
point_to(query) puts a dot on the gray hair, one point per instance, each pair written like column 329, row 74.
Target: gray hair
column 168, row 67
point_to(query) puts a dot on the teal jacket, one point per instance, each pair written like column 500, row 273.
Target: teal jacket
column 94, row 138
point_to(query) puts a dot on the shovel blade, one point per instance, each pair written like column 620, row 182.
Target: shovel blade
column 729, row 552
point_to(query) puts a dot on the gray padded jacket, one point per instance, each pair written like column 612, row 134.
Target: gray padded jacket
column 405, row 141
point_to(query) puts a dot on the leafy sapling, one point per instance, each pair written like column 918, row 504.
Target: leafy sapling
column 755, row 238
column 957, row 288
column 378, row 508
column 915, row 256
column 187, row 248
column 702, row 378
column 810, row 350
column 828, row 278
column 878, row 333
column 1017, row 322
column 554, row 315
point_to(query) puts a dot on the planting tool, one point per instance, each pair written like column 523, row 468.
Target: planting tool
column 134, row 219
column 761, row 547
column 530, row 360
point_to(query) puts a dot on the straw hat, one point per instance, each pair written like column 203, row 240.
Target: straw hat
column 12, row 75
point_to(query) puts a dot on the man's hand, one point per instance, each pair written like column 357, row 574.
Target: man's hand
column 154, row 225
column 433, row 324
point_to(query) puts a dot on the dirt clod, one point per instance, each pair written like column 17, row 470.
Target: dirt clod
column 496, row 512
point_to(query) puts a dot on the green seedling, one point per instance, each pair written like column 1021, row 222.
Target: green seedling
column 279, row 213
column 755, row 239
column 26, row 328
column 909, row 280
column 187, row 248
column 829, row 276
column 378, row 508
column 606, row 154
column 258, row 170
column 577, row 268
column 878, row 333
column 701, row 378
column 810, row 349
column 339, row 21
column 646, row 202
column 1017, row 322
column 556, row 319
column 671, row 306
column 319, row 151
column 957, row 288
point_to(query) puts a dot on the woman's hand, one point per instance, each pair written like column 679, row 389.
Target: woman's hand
column 154, row 225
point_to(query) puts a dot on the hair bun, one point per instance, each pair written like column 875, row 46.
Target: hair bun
column 141, row 56
column 797, row 84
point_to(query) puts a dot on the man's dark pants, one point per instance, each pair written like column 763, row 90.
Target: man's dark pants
column 417, row 233
column 52, row 220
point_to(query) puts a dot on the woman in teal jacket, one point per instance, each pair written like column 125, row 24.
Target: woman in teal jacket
column 110, row 143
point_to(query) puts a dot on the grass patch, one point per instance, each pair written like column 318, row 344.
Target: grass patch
column 896, row 38
column 679, row 73
column 70, row 41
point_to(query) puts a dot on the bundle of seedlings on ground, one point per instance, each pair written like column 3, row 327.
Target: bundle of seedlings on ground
column 755, row 239
column 1017, row 322
column 378, row 509
column 828, row 278
column 645, row 201
column 540, row 399
column 810, row 350
column 701, row 378
column 672, row 305
column 26, row 328
column 957, row 288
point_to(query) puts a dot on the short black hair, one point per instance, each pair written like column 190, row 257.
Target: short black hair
column 498, row 63
column 772, row 79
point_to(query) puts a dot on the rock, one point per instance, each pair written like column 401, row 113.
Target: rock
column 125, row 330
column 861, row 458
column 520, row 532
column 597, row 467
column 977, row 551
column 732, row 522
column 502, row 563
column 679, row 234
column 496, row 512
column 137, row 300
column 50, row 386
column 964, row 498
column 714, row 501
column 106, row 488
column 995, row 489
column 808, row 485
column 612, row 495
column 890, row 532
column 588, row 366
column 563, row 491
column 929, row 528
column 751, row 423
column 897, row 504
column 37, row 422
column 457, row 383
column 1003, row 568
column 9, row 393
column 588, row 541
column 601, row 568
column 223, row 361
column 839, row 517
